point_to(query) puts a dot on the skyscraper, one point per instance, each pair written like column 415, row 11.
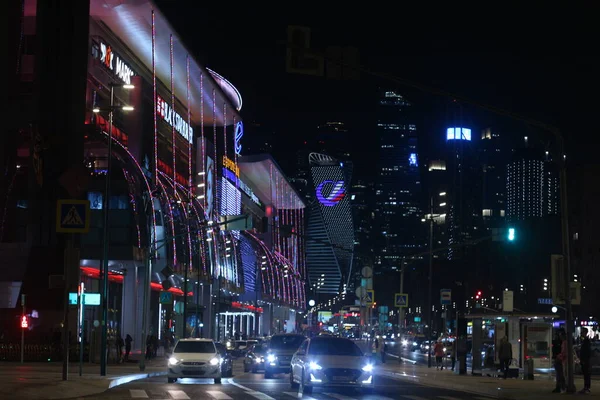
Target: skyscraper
column 398, row 184
column 531, row 186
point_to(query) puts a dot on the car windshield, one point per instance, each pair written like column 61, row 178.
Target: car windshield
column 334, row 347
column 195, row 347
column 291, row 342
column 258, row 349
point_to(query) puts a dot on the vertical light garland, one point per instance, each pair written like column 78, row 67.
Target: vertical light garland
column 216, row 160
column 190, row 192
column 235, row 154
column 155, row 100
column 203, row 162
column 225, row 188
column 173, row 138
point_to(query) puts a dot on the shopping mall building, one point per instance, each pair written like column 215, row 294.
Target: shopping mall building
column 176, row 174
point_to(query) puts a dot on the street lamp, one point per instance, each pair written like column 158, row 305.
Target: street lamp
column 431, row 217
column 104, row 274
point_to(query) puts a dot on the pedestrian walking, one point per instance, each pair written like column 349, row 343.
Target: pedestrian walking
column 148, row 347
column 558, row 362
column 128, row 340
column 453, row 352
column 438, row 352
column 384, row 350
column 585, row 355
column 374, row 350
column 505, row 355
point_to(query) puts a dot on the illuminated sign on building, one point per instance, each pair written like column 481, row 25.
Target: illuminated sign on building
column 112, row 61
column 242, row 185
column 239, row 132
column 412, row 160
column 172, row 118
column 335, row 195
column 230, row 165
column 458, row 134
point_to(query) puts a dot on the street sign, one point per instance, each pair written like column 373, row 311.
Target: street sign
column 366, row 272
column 507, row 301
column 446, row 297
column 166, row 298
column 370, row 296
column 73, row 216
column 401, row 300
column 89, row 299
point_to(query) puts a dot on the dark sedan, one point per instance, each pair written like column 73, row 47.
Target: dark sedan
column 226, row 360
column 255, row 358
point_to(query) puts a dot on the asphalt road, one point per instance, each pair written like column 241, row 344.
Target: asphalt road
column 254, row 387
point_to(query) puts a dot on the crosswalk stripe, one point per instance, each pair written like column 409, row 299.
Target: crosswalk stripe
column 215, row 394
column 138, row 394
column 299, row 396
column 339, row 396
column 259, row 395
column 178, row 394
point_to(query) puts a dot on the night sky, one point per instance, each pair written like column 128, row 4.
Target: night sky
column 542, row 63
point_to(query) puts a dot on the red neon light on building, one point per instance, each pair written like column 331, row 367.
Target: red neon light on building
column 168, row 169
column 237, row 304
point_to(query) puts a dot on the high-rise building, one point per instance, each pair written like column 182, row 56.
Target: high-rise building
column 330, row 231
column 493, row 156
column 397, row 209
column 363, row 217
column 531, row 186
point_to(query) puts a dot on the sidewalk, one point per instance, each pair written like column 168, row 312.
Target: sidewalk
column 44, row 380
column 514, row 389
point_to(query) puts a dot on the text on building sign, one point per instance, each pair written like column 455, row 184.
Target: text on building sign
column 230, row 165
column 115, row 63
column 242, row 185
column 175, row 120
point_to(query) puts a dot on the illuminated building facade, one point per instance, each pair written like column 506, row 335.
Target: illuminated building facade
column 329, row 250
column 175, row 175
column 398, row 210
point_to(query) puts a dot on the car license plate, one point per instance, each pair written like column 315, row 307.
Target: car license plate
column 340, row 378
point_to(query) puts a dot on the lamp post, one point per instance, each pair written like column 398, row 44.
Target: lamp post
column 431, row 217
column 104, row 267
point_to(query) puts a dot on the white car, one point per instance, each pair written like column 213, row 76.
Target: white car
column 326, row 361
column 194, row 358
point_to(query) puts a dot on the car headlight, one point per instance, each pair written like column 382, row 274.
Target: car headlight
column 271, row 358
column 314, row 366
column 405, row 343
column 215, row 361
column 445, row 349
column 415, row 344
column 228, row 344
column 173, row 361
column 426, row 347
column 368, row 368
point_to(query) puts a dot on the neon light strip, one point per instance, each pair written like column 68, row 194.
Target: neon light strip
column 214, row 112
column 145, row 181
column 181, row 203
column 131, row 187
column 203, row 162
column 173, row 138
column 154, row 98
column 172, row 221
column 190, row 192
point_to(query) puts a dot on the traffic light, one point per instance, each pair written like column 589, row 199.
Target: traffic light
column 511, row 234
column 24, row 322
column 478, row 295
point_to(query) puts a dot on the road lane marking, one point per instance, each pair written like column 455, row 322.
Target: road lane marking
column 259, row 395
column 215, row 394
column 339, row 396
column 138, row 394
column 247, row 389
column 178, row 394
column 299, row 395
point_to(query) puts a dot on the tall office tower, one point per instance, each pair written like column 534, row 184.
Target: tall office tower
column 362, row 215
column 330, row 231
column 494, row 155
column 531, row 186
column 398, row 184
column 464, row 196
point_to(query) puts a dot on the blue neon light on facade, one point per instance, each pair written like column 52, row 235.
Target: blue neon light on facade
column 239, row 132
column 458, row 134
column 337, row 193
column 412, row 160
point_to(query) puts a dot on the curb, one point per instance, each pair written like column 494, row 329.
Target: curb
column 130, row 378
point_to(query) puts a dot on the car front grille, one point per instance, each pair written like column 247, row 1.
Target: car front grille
column 334, row 374
column 193, row 363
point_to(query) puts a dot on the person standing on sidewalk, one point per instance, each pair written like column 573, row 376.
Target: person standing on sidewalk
column 453, row 352
column 585, row 355
column 128, row 340
column 505, row 355
column 438, row 351
column 558, row 362
column 384, row 350
column 374, row 350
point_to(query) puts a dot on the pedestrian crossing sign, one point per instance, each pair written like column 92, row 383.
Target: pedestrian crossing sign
column 370, row 297
column 73, row 216
column 401, row 300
